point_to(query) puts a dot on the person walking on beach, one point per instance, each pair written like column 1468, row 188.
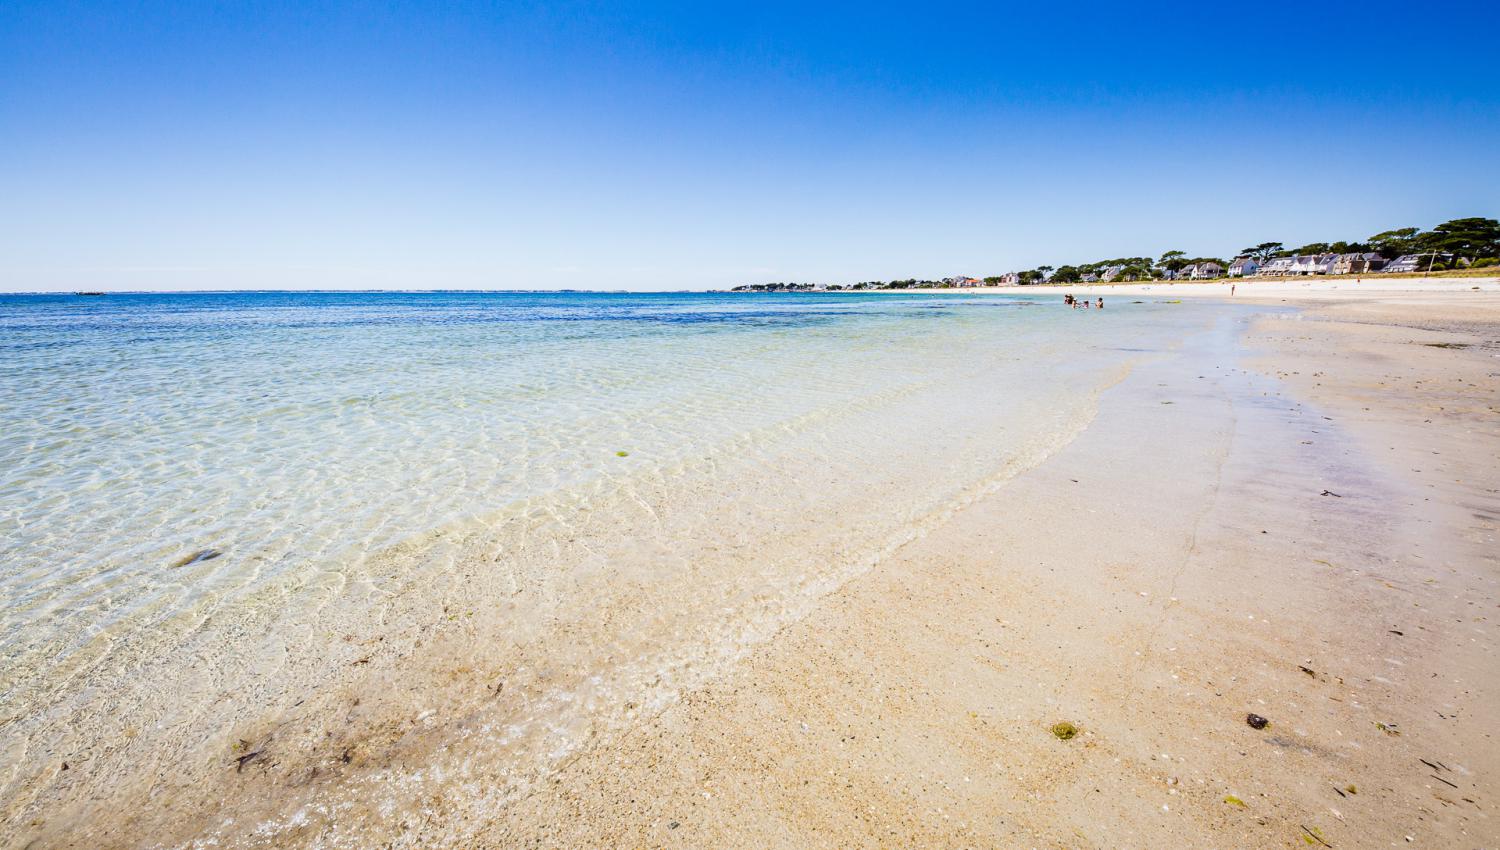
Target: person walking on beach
column 1231, row 288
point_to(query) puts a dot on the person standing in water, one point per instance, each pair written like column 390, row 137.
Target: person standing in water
column 1100, row 305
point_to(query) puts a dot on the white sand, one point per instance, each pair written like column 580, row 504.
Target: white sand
column 1184, row 563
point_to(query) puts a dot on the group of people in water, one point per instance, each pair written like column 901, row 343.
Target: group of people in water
column 1076, row 304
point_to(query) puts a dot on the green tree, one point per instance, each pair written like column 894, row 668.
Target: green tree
column 1067, row 274
column 1393, row 243
column 1464, row 238
column 1262, row 252
column 1172, row 261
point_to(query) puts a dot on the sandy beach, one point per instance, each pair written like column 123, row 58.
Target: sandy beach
column 663, row 426
column 1286, row 509
column 1298, row 522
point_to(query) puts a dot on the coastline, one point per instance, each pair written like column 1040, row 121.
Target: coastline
column 1321, row 287
column 908, row 699
column 913, row 706
column 513, row 426
column 472, row 657
column 1315, row 288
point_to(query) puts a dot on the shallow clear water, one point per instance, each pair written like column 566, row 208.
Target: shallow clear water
column 598, row 498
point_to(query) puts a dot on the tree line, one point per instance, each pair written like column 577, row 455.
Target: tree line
column 1460, row 243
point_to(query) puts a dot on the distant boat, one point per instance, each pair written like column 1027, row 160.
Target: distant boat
column 88, row 293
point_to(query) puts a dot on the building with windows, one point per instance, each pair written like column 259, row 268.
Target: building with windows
column 1200, row 271
column 1410, row 263
column 1243, row 267
column 1357, row 263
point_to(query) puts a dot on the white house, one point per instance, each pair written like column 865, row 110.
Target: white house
column 1409, row 263
column 1200, row 271
column 1010, row 279
column 1111, row 272
column 1313, row 263
column 1243, row 267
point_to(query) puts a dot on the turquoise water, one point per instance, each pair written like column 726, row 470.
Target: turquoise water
column 603, row 497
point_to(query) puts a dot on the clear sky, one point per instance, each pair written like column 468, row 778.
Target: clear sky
column 285, row 145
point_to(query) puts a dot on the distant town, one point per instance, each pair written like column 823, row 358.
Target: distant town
column 1459, row 244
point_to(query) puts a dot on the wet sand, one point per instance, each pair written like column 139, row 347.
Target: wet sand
column 1295, row 519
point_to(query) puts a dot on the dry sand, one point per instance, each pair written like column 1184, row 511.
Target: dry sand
column 1294, row 519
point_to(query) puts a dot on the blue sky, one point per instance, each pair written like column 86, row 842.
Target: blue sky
column 667, row 146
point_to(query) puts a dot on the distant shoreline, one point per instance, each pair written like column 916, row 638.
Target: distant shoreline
column 1246, row 287
column 1484, row 278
